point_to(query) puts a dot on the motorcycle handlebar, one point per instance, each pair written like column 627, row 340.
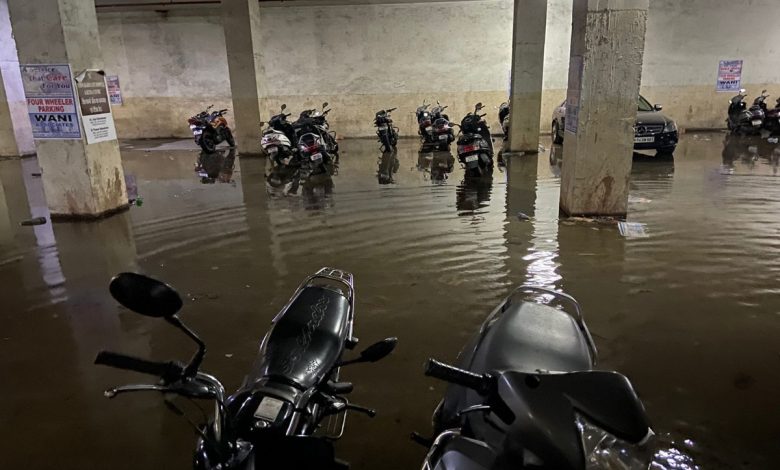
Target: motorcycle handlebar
column 166, row 370
column 391, row 110
column 454, row 375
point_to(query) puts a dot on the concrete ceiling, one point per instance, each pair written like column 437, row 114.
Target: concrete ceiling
column 103, row 5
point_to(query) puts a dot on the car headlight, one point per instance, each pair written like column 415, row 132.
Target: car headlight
column 670, row 126
column 605, row 451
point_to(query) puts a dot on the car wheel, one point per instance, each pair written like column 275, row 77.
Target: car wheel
column 556, row 133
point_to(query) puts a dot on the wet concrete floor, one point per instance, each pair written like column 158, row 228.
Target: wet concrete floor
column 691, row 313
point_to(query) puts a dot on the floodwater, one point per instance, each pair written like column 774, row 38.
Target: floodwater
column 691, row 312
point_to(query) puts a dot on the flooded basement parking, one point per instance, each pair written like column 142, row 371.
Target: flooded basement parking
column 691, row 313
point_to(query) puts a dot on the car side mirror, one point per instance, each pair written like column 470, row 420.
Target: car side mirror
column 658, row 107
column 145, row 296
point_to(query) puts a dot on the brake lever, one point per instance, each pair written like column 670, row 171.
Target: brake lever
column 113, row 392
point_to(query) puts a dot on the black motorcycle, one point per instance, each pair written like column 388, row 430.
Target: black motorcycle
column 525, row 396
column 475, row 144
column 211, row 129
column 293, row 387
column 503, row 117
column 443, row 134
column 424, row 123
column 385, row 131
column 742, row 120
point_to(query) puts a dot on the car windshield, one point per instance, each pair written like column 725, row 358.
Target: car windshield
column 644, row 105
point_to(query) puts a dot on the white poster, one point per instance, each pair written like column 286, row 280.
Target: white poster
column 95, row 107
column 50, row 101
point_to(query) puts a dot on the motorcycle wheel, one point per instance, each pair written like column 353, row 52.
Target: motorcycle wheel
column 229, row 137
column 207, row 143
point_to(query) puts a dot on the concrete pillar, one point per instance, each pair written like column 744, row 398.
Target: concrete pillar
column 241, row 21
column 15, row 132
column 605, row 71
column 80, row 180
column 530, row 26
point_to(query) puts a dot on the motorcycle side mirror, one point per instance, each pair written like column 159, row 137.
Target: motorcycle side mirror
column 658, row 107
column 262, row 124
column 145, row 296
column 325, row 105
column 480, row 105
column 284, row 106
column 375, row 352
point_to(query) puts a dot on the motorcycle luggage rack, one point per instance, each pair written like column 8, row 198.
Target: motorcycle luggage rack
column 334, row 426
column 566, row 299
column 332, row 274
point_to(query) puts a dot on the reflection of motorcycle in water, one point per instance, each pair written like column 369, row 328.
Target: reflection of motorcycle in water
column 473, row 193
column 441, row 166
column 388, row 166
column 750, row 150
column 317, row 191
column 282, row 180
column 216, row 166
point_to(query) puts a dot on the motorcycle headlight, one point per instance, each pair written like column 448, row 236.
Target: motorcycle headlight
column 605, row 451
column 670, row 126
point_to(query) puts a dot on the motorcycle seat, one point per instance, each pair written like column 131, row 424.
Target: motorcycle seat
column 307, row 340
column 531, row 337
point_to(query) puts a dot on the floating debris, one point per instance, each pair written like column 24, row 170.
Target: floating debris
column 523, row 216
column 34, row 221
column 632, row 229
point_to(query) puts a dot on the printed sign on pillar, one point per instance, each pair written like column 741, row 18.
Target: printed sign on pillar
column 51, row 104
column 114, row 91
column 729, row 75
column 95, row 107
column 573, row 95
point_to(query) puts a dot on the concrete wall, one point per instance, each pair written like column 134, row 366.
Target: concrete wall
column 15, row 131
column 169, row 66
column 362, row 58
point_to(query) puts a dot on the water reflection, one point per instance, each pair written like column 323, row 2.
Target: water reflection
column 747, row 151
column 388, row 165
column 472, row 196
column 216, row 166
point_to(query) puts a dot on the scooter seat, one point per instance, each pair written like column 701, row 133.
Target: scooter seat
column 307, row 341
column 531, row 337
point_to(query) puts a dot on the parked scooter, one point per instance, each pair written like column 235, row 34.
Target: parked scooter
column 525, row 395
column 503, row 117
column 475, row 144
column 443, row 134
column 316, row 122
column 314, row 156
column 211, row 129
column 424, row 123
column 278, row 138
column 385, row 131
column 742, row 120
column 771, row 116
column 293, row 387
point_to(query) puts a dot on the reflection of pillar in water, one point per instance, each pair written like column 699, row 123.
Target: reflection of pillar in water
column 6, row 231
column 258, row 216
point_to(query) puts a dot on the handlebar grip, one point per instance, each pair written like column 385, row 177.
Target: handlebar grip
column 391, row 110
column 454, row 375
column 122, row 361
